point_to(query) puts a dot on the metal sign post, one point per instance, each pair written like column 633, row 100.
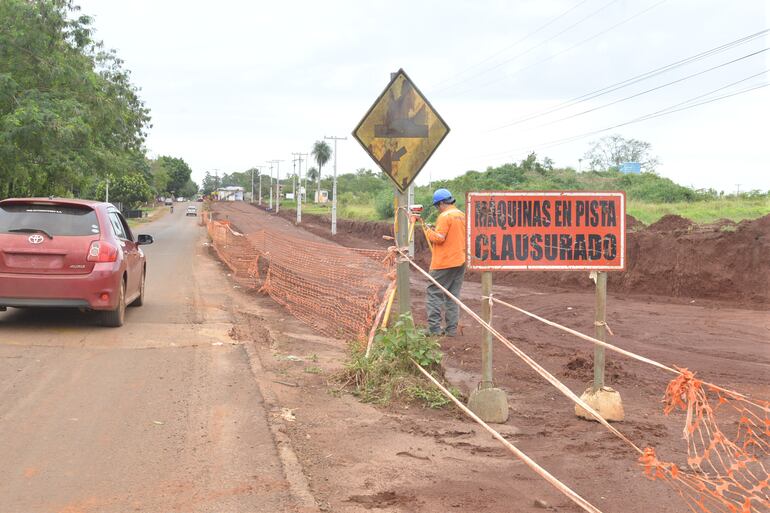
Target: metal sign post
column 410, row 202
column 601, row 329
column 334, row 182
column 402, row 267
column 486, row 346
column 400, row 132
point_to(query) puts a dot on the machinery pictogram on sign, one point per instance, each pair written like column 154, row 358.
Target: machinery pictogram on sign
column 401, row 131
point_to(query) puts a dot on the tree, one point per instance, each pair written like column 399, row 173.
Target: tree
column 130, row 190
column 178, row 173
column 210, row 184
column 613, row 150
column 69, row 115
column 322, row 152
column 312, row 174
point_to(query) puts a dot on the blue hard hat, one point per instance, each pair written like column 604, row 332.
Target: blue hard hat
column 441, row 195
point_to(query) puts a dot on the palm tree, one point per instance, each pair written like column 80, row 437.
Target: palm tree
column 322, row 153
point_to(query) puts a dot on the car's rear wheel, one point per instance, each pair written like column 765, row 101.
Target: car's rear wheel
column 139, row 301
column 115, row 318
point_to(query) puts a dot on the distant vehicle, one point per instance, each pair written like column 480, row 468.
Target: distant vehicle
column 192, row 210
column 199, row 200
column 69, row 253
column 180, row 200
column 169, row 202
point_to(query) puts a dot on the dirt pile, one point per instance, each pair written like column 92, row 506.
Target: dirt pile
column 672, row 257
column 669, row 223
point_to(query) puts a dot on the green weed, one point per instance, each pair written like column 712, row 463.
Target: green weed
column 388, row 374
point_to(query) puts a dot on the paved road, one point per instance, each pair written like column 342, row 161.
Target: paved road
column 160, row 415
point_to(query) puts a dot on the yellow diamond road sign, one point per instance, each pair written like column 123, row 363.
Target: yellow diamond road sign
column 401, row 131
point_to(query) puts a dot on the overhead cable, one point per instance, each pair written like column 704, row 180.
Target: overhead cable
column 636, row 79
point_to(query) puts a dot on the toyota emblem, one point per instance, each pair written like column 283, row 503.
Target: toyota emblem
column 35, row 239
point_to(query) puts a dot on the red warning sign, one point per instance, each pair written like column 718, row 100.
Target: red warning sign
column 513, row 230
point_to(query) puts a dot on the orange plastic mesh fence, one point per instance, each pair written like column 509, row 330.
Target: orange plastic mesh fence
column 336, row 290
column 722, row 474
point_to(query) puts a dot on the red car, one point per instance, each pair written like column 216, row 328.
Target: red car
column 70, row 253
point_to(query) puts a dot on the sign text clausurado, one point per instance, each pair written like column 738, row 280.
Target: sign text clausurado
column 537, row 230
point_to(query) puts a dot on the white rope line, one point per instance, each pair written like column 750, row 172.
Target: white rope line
column 526, row 358
column 566, row 490
column 588, row 338
column 624, row 352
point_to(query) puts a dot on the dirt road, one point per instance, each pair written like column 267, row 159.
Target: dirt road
column 161, row 415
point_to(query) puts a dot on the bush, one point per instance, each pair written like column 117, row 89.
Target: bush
column 383, row 205
column 388, row 374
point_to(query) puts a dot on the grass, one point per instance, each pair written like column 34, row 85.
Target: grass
column 734, row 209
column 153, row 213
column 708, row 211
column 359, row 212
column 389, row 374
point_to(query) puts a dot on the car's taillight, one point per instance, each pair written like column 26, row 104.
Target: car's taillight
column 101, row 251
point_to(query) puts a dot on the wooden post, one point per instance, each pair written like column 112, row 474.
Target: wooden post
column 402, row 240
column 486, row 344
column 600, row 328
column 488, row 402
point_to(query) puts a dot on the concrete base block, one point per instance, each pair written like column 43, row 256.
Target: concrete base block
column 490, row 404
column 606, row 401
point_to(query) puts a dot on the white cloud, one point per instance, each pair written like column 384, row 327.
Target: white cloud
column 241, row 83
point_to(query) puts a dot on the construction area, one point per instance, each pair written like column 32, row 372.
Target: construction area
column 680, row 315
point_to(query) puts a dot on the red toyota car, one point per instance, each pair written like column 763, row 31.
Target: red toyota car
column 70, row 253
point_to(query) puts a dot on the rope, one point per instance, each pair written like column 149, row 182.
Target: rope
column 526, row 358
column 629, row 354
column 566, row 490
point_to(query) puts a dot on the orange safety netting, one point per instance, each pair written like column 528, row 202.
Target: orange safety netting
column 336, row 290
column 723, row 474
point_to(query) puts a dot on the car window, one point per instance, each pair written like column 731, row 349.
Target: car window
column 126, row 229
column 117, row 226
column 62, row 220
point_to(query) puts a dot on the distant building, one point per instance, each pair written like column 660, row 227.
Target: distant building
column 231, row 193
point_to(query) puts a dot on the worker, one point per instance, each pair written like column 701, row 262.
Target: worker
column 447, row 266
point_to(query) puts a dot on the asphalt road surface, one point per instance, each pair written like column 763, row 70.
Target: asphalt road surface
column 160, row 415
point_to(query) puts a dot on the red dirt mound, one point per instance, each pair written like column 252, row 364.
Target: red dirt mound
column 667, row 258
column 633, row 224
column 669, row 223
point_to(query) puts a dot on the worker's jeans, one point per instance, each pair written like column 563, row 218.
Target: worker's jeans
column 452, row 280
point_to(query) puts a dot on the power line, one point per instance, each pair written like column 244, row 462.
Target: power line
column 633, row 80
column 552, row 56
column 663, row 112
column 512, row 45
column 654, row 88
column 483, row 72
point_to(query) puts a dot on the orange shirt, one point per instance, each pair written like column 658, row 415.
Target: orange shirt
column 448, row 239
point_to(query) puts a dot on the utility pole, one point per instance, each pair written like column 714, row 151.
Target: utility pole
column 737, row 189
column 271, row 185
column 300, row 188
column 259, row 202
column 107, row 191
column 277, row 185
column 334, row 183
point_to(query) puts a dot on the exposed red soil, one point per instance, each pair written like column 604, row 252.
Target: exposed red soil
column 436, row 461
column 672, row 257
column 669, row 223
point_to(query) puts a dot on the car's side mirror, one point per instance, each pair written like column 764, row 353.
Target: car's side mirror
column 144, row 239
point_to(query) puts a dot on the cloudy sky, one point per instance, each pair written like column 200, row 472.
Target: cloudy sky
column 233, row 84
